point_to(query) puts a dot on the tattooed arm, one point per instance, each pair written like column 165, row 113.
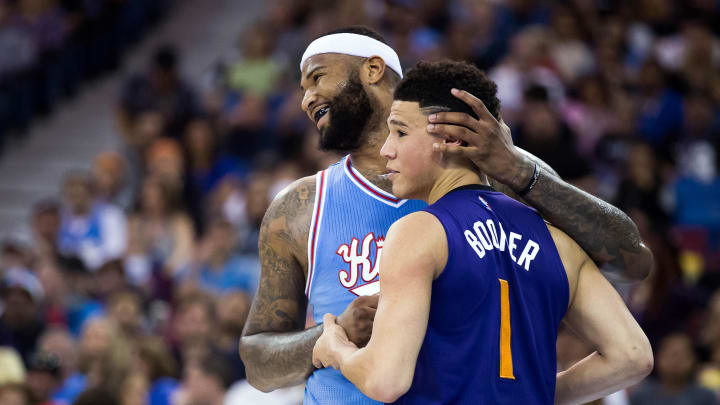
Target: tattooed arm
column 275, row 347
column 276, row 350
column 606, row 233
column 602, row 230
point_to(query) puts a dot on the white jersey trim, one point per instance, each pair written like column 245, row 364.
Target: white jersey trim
column 315, row 224
column 368, row 187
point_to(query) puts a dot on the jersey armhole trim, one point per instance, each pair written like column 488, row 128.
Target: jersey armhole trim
column 315, row 223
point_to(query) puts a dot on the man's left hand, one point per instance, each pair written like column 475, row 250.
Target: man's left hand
column 328, row 348
column 488, row 142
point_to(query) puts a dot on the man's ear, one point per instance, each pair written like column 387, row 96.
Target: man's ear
column 373, row 69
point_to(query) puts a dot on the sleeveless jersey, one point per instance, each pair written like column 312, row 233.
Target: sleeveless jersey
column 496, row 306
column 350, row 219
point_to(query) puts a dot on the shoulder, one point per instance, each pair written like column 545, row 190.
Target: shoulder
column 418, row 238
column 572, row 256
column 419, row 221
column 287, row 219
column 294, row 201
column 569, row 251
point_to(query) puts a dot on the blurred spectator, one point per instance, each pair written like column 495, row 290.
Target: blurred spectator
column 542, row 133
column 134, row 390
column 697, row 190
column 45, row 228
column 192, row 326
column 11, row 366
column 160, row 89
column 661, row 109
column 232, row 310
column 205, row 382
column 709, row 375
column 44, row 377
column 165, row 162
column 641, row 185
column 571, row 56
column 161, row 234
column 90, row 229
column 589, row 114
column 217, row 268
column 125, row 309
column 526, row 65
column 58, row 342
column 105, row 355
column 95, row 396
column 676, row 366
column 208, row 164
column 21, row 296
column 14, row 394
column 17, row 46
column 110, row 176
column 256, row 72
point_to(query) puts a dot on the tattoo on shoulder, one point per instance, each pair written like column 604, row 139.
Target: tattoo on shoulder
column 279, row 304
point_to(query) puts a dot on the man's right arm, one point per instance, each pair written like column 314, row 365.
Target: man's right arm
column 275, row 347
column 598, row 315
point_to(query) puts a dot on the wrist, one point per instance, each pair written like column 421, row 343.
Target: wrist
column 343, row 352
column 521, row 174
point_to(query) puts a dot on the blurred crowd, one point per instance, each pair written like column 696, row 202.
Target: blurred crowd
column 50, row 48
column 132, row 287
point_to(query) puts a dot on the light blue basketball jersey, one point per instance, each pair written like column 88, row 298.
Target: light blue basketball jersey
column 350, row 219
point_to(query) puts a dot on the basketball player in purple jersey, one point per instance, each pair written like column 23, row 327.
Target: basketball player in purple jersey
column 473, row 287
column 321, row 237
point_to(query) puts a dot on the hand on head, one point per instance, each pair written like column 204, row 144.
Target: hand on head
column 486, row 141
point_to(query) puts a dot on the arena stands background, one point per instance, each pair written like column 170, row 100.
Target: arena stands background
column 129, row 280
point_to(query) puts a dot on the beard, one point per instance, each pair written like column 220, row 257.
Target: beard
column 350, row 115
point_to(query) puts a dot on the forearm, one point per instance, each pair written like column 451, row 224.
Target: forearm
column 591, row 378
column 275, row 360
column 606, row 233
column 353, row 364
column 368, row 375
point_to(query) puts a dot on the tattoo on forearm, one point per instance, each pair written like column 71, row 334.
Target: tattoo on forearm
column 275, row 349
column 606, row 233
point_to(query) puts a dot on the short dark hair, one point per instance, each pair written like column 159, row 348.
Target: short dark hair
column 358, row 29
column 429, row 83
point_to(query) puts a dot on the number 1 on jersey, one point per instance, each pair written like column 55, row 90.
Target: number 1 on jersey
column 506, row 364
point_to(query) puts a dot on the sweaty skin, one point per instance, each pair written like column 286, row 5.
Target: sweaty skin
column 275, row 347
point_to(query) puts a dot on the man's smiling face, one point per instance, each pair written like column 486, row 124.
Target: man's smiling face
column 336, row 101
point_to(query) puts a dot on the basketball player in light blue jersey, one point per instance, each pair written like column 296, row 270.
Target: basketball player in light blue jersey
column 321, row 238
column 473, row 287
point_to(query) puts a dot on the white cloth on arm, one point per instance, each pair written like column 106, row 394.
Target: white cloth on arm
column 355, row 45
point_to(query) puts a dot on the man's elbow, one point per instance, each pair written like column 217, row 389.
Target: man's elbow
column 643, row 359
column 643, row 263
column 637, row 359
column 387, row 390
column 251, row 363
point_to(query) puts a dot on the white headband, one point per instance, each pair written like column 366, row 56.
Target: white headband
column 355, row 45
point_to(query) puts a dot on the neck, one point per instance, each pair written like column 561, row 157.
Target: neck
column 451, row 179
column 367, row 159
